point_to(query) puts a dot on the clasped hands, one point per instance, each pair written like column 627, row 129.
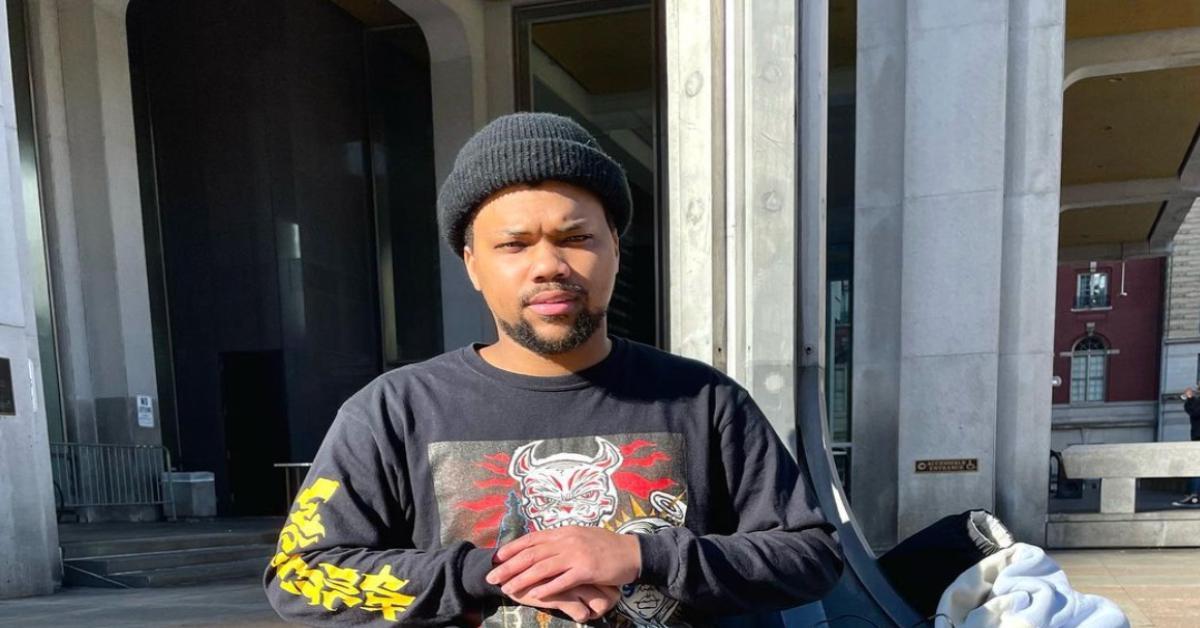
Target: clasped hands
column 573, row 569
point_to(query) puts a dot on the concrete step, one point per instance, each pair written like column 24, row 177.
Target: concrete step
column 166, row 543
column 245, row 568
column 105, row 565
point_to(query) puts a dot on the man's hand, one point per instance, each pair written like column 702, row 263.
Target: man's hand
column 546, row 563
column 582, row 604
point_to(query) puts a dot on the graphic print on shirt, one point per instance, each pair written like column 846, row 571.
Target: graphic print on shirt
column 327, row 585
column 566, row 489
column 490, row 492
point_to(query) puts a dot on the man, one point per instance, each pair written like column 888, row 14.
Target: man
column 621, row 485
column 1191, row 405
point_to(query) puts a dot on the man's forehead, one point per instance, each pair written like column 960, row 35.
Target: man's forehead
column 518, row 227
column 539, row 207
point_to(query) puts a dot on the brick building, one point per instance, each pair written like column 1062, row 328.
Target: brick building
column 1107, row 334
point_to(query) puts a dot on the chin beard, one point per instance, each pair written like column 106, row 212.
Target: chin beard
column 582, row 328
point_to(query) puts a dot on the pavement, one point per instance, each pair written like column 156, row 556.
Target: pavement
column 1159, row 588
column 235, row 603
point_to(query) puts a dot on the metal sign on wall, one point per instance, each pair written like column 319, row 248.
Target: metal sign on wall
column 8, row 402
column 951, row 465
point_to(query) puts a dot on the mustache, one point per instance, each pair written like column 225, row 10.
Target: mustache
column 575, row 288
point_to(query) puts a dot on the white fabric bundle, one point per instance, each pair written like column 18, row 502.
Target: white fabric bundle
column 1021, row 587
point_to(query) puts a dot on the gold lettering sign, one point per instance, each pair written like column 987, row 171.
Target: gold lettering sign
column 953, row 465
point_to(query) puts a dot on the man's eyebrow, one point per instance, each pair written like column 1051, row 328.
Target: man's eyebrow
column 572, row 225
column 569, row 226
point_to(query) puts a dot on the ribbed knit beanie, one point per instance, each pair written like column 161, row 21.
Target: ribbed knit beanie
column 528, row 148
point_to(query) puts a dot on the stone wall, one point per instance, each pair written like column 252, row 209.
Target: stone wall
column 1183, row 290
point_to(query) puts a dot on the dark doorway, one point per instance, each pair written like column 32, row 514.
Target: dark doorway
column 254, row 409
column 289, row 204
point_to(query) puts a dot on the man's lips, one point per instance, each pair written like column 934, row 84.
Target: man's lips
column 553, row 303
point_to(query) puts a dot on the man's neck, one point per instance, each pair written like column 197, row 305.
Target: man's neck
column 507, row 355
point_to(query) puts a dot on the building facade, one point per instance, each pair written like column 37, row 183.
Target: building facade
column 1181, row 335
column 1107, row 352
column 222, row 223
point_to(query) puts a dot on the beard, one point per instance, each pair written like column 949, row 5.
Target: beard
column 582, row 328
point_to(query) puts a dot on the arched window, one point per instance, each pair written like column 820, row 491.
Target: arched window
column 1088, row 364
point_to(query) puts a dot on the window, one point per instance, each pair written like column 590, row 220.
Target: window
column 1088, row 363
column 1091, row 290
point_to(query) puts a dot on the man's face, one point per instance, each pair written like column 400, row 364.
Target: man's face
column 545, row 260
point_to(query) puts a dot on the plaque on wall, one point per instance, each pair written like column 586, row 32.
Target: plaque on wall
column 8, row 402
column 953, row 465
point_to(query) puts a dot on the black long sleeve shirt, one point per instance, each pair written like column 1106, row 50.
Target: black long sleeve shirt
column 1191, row 406
column 427, row 469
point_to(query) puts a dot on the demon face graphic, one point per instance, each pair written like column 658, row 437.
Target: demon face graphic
column 565, row 488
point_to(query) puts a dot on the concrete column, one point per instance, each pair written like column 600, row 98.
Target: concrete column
column 951, row 257
column 94, row 217
column 696, row 197
column 955, row 246
column 878, row 222
column 1033, row 153
column 769, row 204
column 28, row 532
column 732, row 150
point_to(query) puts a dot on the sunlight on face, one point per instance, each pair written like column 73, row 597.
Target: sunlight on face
column 545, row 260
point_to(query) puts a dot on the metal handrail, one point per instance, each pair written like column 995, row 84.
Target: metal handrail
column 97, row 475
column 293, row 477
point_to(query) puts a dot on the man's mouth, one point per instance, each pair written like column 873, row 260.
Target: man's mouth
column 553, row 303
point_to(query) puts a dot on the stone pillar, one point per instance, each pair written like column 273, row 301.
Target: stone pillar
column 80, row 68
column 954, row 116
column 1033, row 155
column 955, row 241
column 732, row 155
column 768, row 206
column 696, row 178
column 28, row 531
column 878, row 223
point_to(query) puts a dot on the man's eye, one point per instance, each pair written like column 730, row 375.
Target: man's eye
column 579, row 238
column 511, row 245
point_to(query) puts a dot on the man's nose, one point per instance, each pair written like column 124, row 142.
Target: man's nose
column 548, row 263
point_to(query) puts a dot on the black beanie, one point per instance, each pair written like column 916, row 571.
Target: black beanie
column 529, row 148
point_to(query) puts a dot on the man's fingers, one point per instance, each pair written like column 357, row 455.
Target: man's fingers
column 613, row 593
column 565, row 581
column 597, row 599
column 519, row 544
column 576, row 610
column 516, row 564
column 539, row 571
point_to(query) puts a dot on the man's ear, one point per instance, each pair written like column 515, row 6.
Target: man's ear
column 469, row 262
column 616, row 243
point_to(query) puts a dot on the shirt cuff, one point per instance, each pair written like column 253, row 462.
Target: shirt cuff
column 475, row 567
column 658, row 559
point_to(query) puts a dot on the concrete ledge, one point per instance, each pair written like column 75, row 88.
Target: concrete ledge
column 1133, row 460
column 1175, row 528
column 1176, row 514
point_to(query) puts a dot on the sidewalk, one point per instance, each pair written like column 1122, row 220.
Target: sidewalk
column 1159, row 588
column 239, row 603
